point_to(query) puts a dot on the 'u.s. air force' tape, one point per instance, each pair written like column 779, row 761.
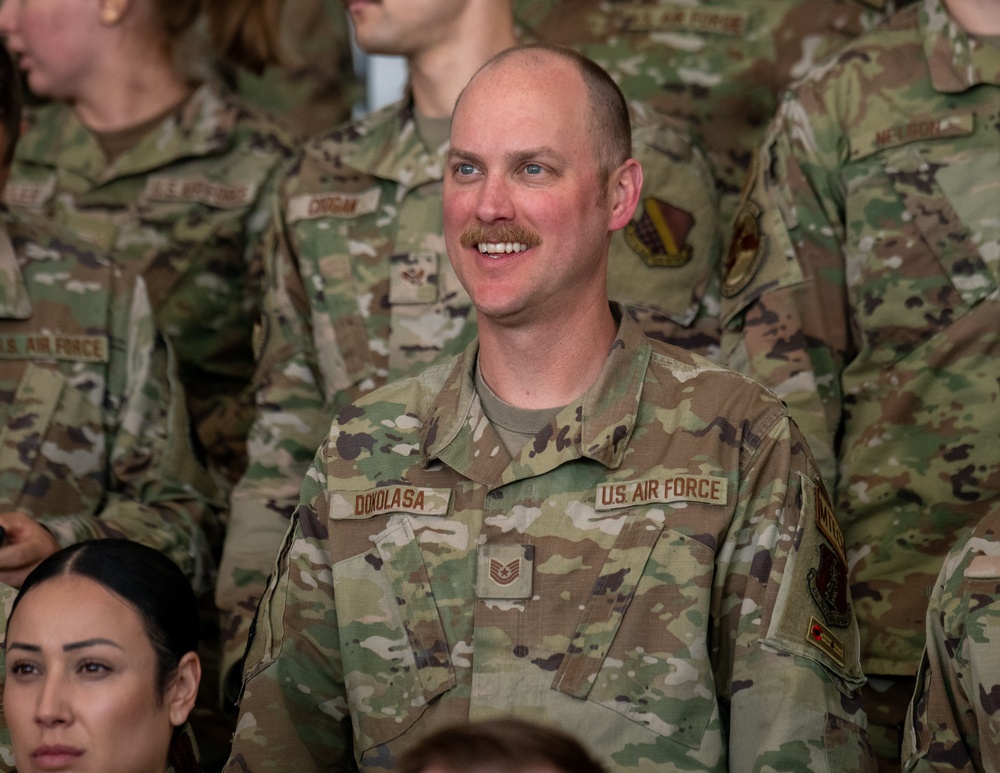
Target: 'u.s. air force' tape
column 709, row 489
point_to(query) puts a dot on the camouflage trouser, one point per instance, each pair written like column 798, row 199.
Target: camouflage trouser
column 886, row 699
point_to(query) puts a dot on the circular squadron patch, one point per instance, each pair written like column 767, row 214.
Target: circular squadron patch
column 746, row 250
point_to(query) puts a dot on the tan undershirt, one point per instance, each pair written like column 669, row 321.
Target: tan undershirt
column 433, row 132
column 515, row 426
column 120, row 141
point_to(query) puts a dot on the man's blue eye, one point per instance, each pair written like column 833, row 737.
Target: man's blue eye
column 466, row 169
column 533, row 169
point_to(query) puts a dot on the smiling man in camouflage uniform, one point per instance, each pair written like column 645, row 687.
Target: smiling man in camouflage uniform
column 359, row 288
column 567, row 522
column 862, row 286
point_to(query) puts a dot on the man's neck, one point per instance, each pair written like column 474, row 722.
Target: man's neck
column 438, row 74
column 548, row 363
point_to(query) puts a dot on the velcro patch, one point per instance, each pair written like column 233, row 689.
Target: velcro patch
column 921, row 130
column 747, row 250
column 390, row 499
column 712, row 21
column 342, row 205
column 69, row 348
column 659, row 235
column 29, row 195
column 505, row 572
column 822, row 637
column 218, row 195
column 983, row 568
column 675, row 488
column 828, row 524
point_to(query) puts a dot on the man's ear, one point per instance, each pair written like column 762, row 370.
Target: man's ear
column 183, row 690
column 624, row 187
column 113, row 11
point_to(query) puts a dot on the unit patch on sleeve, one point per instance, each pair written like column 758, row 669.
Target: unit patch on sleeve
column 660, row 234
column 746, row 250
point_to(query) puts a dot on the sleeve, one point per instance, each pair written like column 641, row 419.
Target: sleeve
column 664, row 265
column 293, row 710
column 953, row 723
column 292, row 416
column 158, row 494
column 786, row 640
column 785, row 308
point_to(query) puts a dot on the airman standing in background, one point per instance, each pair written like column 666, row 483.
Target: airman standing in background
column 168, row 174
column 863, row 286
column 718, row 65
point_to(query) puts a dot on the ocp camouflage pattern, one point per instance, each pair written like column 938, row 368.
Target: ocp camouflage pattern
column 187, row 206
column 862, row 286
column 359, row 291
column 94, row 438
column 952, row 723
column 638, row 575
column 718, row 65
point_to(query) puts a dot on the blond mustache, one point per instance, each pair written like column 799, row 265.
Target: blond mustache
column 478, row 234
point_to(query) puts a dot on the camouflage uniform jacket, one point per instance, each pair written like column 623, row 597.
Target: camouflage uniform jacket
column 640, row 574
column 186, row 206
column 862, row 286
column 93, row 431
column 954, row 720
column 719, row 65
column 359, row 290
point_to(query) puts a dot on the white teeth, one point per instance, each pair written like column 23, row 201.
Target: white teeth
column 488, row 248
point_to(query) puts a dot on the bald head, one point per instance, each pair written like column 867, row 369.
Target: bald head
column 607, row 112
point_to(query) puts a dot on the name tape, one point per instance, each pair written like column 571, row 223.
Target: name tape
column 342, row 205
column 30, row 346
column 218, row 195
column 405, row 499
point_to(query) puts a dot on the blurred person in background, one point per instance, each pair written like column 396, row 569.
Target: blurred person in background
column 862, row 285
column 313, row 86
column 719, row 66
column 170, row 174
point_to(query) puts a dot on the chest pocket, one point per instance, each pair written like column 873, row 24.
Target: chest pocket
column 395, row 652
column 52, row 448
column 923, row 270
column 641, row 646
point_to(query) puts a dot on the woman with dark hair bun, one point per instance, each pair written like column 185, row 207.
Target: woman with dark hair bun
column 101, row 663
column 132, row 152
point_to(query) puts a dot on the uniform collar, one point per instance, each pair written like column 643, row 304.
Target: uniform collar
column 957, row 61
column 202, row 125
column 385, row 144
column 15, row 302
column 597, row 426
